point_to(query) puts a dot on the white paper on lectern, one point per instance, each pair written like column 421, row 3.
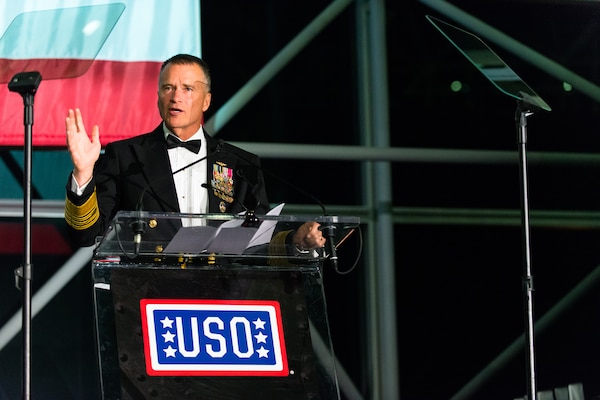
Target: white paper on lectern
column 266, row 228
column 229, row 237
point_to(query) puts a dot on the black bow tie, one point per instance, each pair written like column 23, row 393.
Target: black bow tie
column 191, row 145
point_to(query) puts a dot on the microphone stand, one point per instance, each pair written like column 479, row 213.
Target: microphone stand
column 521, row 119
column 26, row 84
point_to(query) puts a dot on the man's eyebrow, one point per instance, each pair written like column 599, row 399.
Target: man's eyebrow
column 164, row 84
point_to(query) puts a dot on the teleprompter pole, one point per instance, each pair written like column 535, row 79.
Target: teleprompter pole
column 26, row 84
column 521, row 119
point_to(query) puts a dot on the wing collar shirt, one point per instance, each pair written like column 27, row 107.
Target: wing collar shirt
column 192, row 196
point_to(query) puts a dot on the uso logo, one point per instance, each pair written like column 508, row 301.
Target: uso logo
column 213, row 337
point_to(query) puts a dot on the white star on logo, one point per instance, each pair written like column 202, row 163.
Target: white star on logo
column 259, row 324
column 168, row 337
column 167, row 323
column 262, row 352
column 169, row 351
column 260, row 338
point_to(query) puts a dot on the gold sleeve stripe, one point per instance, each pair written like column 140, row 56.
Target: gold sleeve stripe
column 83, row 216
column 277, row 250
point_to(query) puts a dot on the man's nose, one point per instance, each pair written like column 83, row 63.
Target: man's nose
column 176, row 93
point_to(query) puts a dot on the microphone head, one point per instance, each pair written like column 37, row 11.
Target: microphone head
column 251, row 220
column 138, row 226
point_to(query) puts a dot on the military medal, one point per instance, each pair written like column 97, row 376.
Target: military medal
column 222, row 184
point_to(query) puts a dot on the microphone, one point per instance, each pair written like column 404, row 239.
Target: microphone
column 138, row 227
column 329, row 233
column 166, row 178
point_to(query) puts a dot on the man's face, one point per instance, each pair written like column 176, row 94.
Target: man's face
column 183, row 97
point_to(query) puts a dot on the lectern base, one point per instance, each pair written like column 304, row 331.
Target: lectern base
column 234, row 332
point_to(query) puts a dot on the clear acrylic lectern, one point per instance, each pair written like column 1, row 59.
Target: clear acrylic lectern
column 212, row 307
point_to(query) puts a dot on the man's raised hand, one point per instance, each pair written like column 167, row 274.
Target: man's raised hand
column 84, row 150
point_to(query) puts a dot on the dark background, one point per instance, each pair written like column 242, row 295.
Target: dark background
column 458, row 285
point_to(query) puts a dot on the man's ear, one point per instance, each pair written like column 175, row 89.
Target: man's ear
column 207, row 100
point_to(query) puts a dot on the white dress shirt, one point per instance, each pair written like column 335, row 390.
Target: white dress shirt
column 192, row 196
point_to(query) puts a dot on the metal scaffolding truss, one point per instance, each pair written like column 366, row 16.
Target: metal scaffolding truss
column 376, row 156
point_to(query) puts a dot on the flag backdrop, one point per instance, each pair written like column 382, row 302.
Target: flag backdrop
column 100, row 56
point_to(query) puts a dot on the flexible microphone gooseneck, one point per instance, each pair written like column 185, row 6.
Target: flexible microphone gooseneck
column 253, row 164
column 328, row 230
column 251, row 218
column 138, row 226
column 166, row 178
